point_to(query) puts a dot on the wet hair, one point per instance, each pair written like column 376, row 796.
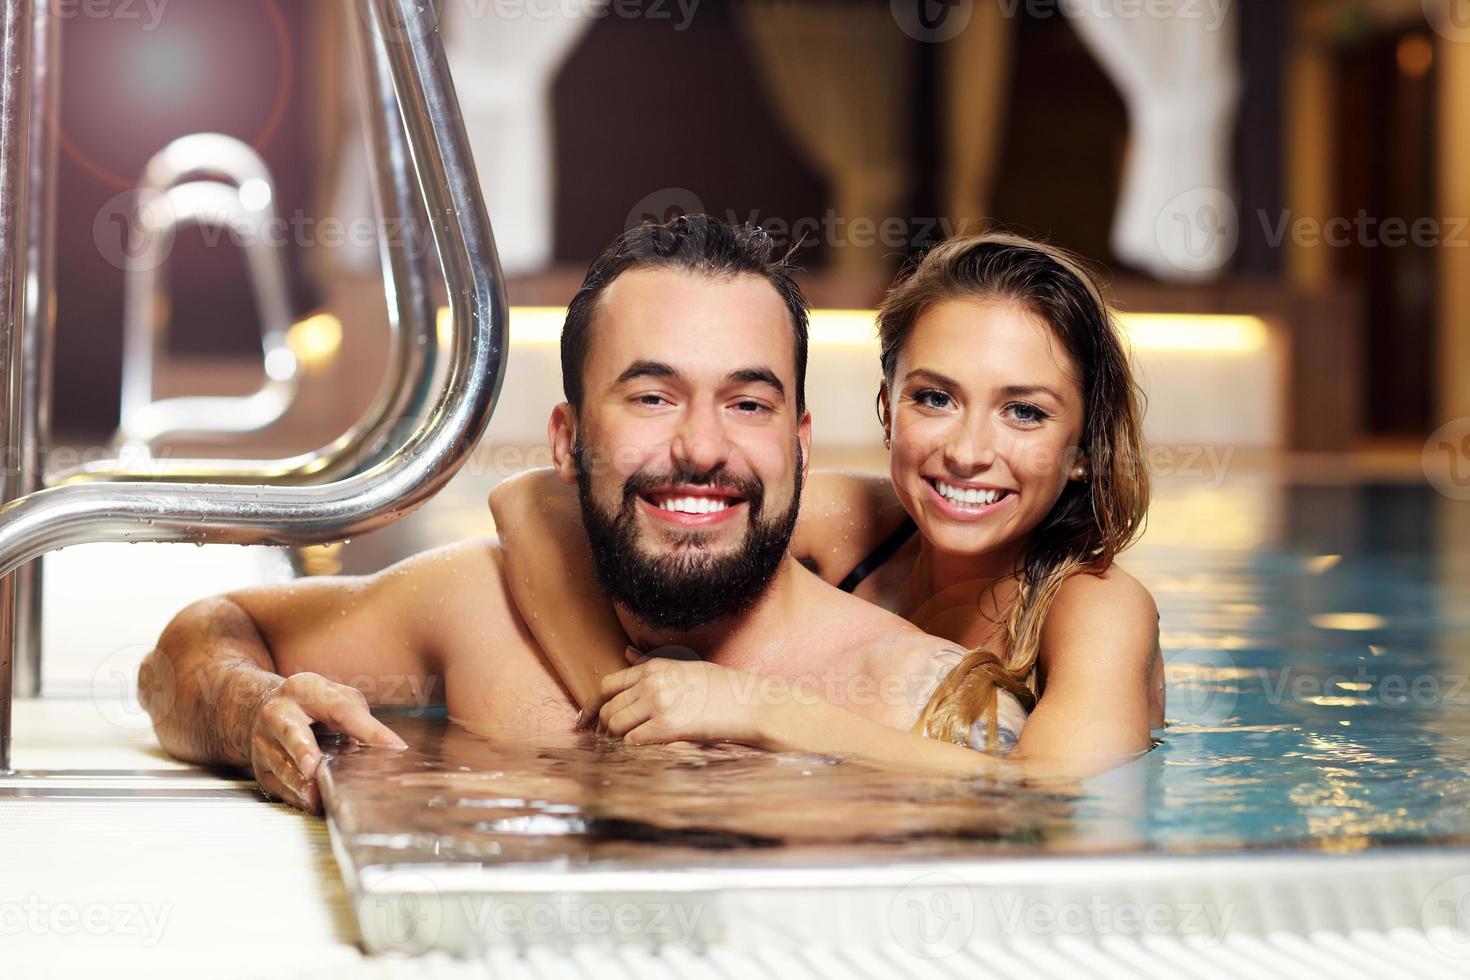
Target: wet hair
column 693, row 243
column 1094, row 519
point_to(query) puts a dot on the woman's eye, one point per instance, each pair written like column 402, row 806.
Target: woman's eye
column 1027, row 414
column 933, row 398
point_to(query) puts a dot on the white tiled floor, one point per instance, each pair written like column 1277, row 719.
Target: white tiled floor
column 208, row 881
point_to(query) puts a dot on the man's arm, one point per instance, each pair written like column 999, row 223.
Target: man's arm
column 239, row 679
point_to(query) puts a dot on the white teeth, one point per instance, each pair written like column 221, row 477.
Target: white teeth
column 968, row 496
column 694, row 505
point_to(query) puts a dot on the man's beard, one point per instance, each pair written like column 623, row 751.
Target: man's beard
column 689, row 587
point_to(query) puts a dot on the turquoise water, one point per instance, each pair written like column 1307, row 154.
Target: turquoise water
column 1318, row 668
column 1317, row 646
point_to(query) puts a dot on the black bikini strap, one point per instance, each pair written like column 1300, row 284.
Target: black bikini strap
column 879, row 554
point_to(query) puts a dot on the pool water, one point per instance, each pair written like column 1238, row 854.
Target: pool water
column 1318, row 671
column 1317, row 643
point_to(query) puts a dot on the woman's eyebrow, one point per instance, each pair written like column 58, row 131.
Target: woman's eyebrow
column 1023, row 391
column 933, row 377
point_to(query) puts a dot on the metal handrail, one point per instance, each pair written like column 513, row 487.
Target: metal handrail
column 15, row 106
column 60, row 516
column 144, row 419
column 405, row 249
column 203, row 156
column 37, row 331
column 238, row 196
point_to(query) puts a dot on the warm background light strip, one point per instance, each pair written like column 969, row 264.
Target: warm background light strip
column 855, row 328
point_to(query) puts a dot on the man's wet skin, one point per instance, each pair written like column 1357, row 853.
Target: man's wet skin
column 690, row 395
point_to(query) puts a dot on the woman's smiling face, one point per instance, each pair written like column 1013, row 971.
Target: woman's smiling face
column 986, row 414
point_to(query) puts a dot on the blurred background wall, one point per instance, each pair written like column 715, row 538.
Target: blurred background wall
column 1299, row 161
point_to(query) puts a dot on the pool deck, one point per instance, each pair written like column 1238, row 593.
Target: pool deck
column 129, row 862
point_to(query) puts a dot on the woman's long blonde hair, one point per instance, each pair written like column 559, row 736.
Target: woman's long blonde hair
column 1093, row 520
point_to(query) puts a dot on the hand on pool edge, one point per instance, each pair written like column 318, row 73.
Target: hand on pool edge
column 283, row 748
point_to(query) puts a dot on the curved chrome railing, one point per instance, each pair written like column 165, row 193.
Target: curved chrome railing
column 34, row 414
column 405, row 250
column 282, row 515
column 15, row 105
column 144, row 419
column 238, row 197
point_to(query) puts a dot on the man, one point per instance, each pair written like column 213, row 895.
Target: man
column 685, row 428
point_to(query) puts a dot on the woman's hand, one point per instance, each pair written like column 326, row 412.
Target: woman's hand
column 665, row 700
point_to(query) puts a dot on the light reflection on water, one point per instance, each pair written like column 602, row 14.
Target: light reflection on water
column 1318, row 647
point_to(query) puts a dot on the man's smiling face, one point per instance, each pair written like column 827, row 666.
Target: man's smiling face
column 688, row 449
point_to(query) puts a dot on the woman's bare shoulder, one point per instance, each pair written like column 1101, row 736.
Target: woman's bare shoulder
column 1106, row 614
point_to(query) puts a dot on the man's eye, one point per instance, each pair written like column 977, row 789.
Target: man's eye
column 750, row 407
column 651, row 400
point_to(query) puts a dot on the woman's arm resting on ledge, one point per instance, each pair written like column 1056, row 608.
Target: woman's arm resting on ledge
column 553, row 582
column 670, row 700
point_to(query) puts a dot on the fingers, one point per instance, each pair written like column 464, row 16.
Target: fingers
column 613, row 706
column 284, row 751
column 277, row 773
column 617, row 723
column 650, row 732
column 612, row 685
column 287, row 728
column 346, row 710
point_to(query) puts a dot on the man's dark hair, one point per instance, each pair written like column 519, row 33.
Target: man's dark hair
column 695, row 243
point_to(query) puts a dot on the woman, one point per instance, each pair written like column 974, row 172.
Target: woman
column 1012, row 422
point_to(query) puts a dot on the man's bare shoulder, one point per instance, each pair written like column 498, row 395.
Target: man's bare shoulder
column 496, row 675
column 453, row 592
column 459, row 577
